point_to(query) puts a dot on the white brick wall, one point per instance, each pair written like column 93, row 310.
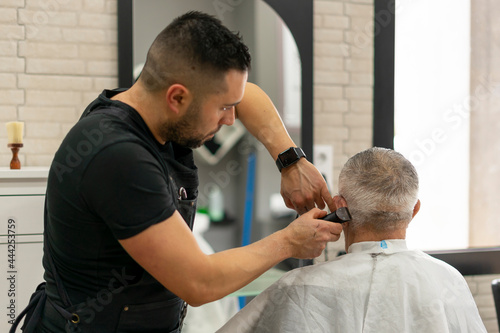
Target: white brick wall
column 55, row 57
column 343, row 64
column 480, row 287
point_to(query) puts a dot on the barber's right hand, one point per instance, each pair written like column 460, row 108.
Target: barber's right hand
column 307, row 236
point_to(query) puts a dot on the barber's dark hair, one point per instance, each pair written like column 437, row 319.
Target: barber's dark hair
column 380, row 187
column 195, row 50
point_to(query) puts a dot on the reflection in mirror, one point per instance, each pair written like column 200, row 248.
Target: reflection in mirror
column 276, row 68
column 275, row 58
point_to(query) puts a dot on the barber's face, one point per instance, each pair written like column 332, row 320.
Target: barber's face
column 205, row 118
column 185, row 130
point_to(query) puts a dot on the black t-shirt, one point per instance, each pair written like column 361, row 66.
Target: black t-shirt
column 109, row 180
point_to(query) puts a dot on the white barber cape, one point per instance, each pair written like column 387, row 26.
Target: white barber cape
column 376, row 287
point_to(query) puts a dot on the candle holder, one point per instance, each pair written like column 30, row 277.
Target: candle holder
column 15, row 163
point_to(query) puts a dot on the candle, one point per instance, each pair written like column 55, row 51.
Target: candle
column 15, row 132
column 15, row 141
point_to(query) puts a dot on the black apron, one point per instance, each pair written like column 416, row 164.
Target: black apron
column 143, row 305
column 150, row 315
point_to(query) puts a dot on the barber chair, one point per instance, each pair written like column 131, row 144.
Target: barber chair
column 495, row 286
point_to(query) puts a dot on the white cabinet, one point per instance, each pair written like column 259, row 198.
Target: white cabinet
column 22, row 196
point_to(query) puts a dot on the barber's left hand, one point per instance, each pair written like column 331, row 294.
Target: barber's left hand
column 303, row 187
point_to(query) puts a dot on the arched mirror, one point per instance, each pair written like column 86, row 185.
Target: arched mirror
column 277, row 32
column 280, row 37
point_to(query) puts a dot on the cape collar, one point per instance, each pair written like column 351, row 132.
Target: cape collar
column 385, row 246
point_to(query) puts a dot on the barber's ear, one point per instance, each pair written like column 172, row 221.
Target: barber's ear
column 178, row 98
column 416, row 208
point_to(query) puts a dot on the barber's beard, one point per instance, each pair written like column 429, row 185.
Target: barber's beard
column 184, row 131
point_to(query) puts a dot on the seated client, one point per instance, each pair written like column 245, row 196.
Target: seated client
column 379, row 285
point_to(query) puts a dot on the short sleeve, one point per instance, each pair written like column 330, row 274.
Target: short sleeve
column 126, row 187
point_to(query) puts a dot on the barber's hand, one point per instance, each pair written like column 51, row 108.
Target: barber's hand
column 307, row 236
column 303, row 187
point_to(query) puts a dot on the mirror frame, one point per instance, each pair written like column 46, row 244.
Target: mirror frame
column 383, row 76
column 297, row 15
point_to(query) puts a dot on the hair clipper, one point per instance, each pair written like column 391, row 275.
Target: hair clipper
column 341, row 215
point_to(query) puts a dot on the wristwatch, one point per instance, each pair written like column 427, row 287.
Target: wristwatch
column 288, row 157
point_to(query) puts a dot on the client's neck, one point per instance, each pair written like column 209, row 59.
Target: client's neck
column 366, row 235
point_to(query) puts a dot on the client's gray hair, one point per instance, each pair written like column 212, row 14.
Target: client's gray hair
column 380, row 187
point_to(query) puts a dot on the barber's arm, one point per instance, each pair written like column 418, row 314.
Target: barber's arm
column 302, row 185
column 169, row 252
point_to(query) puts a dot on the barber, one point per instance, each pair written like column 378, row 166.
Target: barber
column 121, row 197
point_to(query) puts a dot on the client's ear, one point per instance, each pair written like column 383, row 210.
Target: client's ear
column 339, row 201
column 416, row 208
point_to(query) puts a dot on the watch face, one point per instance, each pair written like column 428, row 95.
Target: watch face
column 288, row 156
